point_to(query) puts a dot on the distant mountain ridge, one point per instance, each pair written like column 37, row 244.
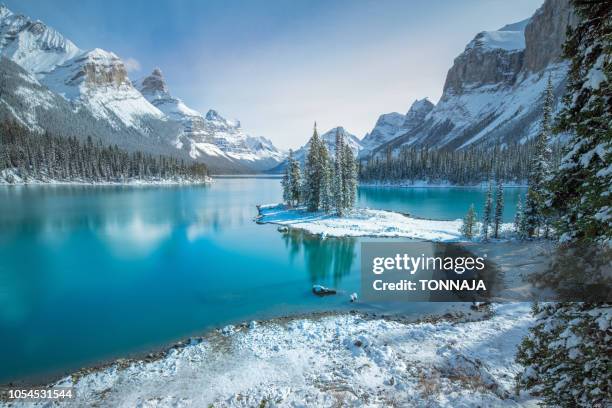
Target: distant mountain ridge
column 210, row 136
column 97, row 81
column 492, row 93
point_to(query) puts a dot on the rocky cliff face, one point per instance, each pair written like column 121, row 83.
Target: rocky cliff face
column 545, row 35
column 492, row 57
column 493, row 92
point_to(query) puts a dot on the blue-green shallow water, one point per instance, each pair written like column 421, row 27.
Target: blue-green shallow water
column 90, row 273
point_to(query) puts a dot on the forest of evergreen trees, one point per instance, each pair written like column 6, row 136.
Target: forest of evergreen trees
column 327, row 183
column 472, row 165
column 28, row 156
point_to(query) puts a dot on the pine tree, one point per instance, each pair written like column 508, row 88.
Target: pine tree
column 486, row 217
column 518, row 218
column 295, row 176
column 468, row 228
column 566, row 355
column 286, row 183
column 339, row 176
column 499, row 208
column 327, row 195
column 349, row 169
column 537, row 194
column 313, row 172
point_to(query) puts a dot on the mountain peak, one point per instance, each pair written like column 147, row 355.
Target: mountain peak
column 420, row 105
column 33, row 45
column 153, row 84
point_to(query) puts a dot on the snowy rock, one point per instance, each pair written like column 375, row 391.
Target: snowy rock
column 320, row 290
column 228, row 330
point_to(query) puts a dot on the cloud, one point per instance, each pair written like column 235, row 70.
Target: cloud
column 132, row 64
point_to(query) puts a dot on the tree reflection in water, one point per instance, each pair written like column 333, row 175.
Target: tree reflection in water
column 323, row 257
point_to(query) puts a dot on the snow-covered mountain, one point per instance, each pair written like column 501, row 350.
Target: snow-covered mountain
column 493, row 91
column 32, row 44
column 212, row 136
column 96, row 86
column 391, row 125
column 98, row 80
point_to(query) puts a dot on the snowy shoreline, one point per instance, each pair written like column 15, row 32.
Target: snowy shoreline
column 346, row 358
column 364, row 222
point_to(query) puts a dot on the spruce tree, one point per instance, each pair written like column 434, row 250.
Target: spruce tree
column 537, row 194
column 286, row 183
column 295, row 176
column 349, row 169
column 339, row 176
column 313, row 172
column 567, row 353
column 487, row 210
column 518, row 218
column 499, row 208
column 468, row 228
column 327, row 195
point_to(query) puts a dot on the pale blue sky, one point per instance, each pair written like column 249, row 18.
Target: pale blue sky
column 279, row 65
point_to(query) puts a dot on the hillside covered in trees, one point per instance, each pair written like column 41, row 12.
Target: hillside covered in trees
column 28, row 157
column 471, row 165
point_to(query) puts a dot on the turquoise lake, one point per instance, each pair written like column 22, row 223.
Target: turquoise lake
column 92, row 273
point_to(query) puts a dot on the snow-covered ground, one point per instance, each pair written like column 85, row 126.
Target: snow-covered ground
column 364, row 223
column 338, row 360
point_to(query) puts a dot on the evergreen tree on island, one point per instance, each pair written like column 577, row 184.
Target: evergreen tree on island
column 567, row 353
column 291, row 181
column 339, row 175
column 314, row 169
column 296, row 180
column 349, row 176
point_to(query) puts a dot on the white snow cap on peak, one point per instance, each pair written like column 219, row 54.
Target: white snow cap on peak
column 510, row 37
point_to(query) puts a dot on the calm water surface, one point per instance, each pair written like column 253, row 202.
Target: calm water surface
column 90, row 273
